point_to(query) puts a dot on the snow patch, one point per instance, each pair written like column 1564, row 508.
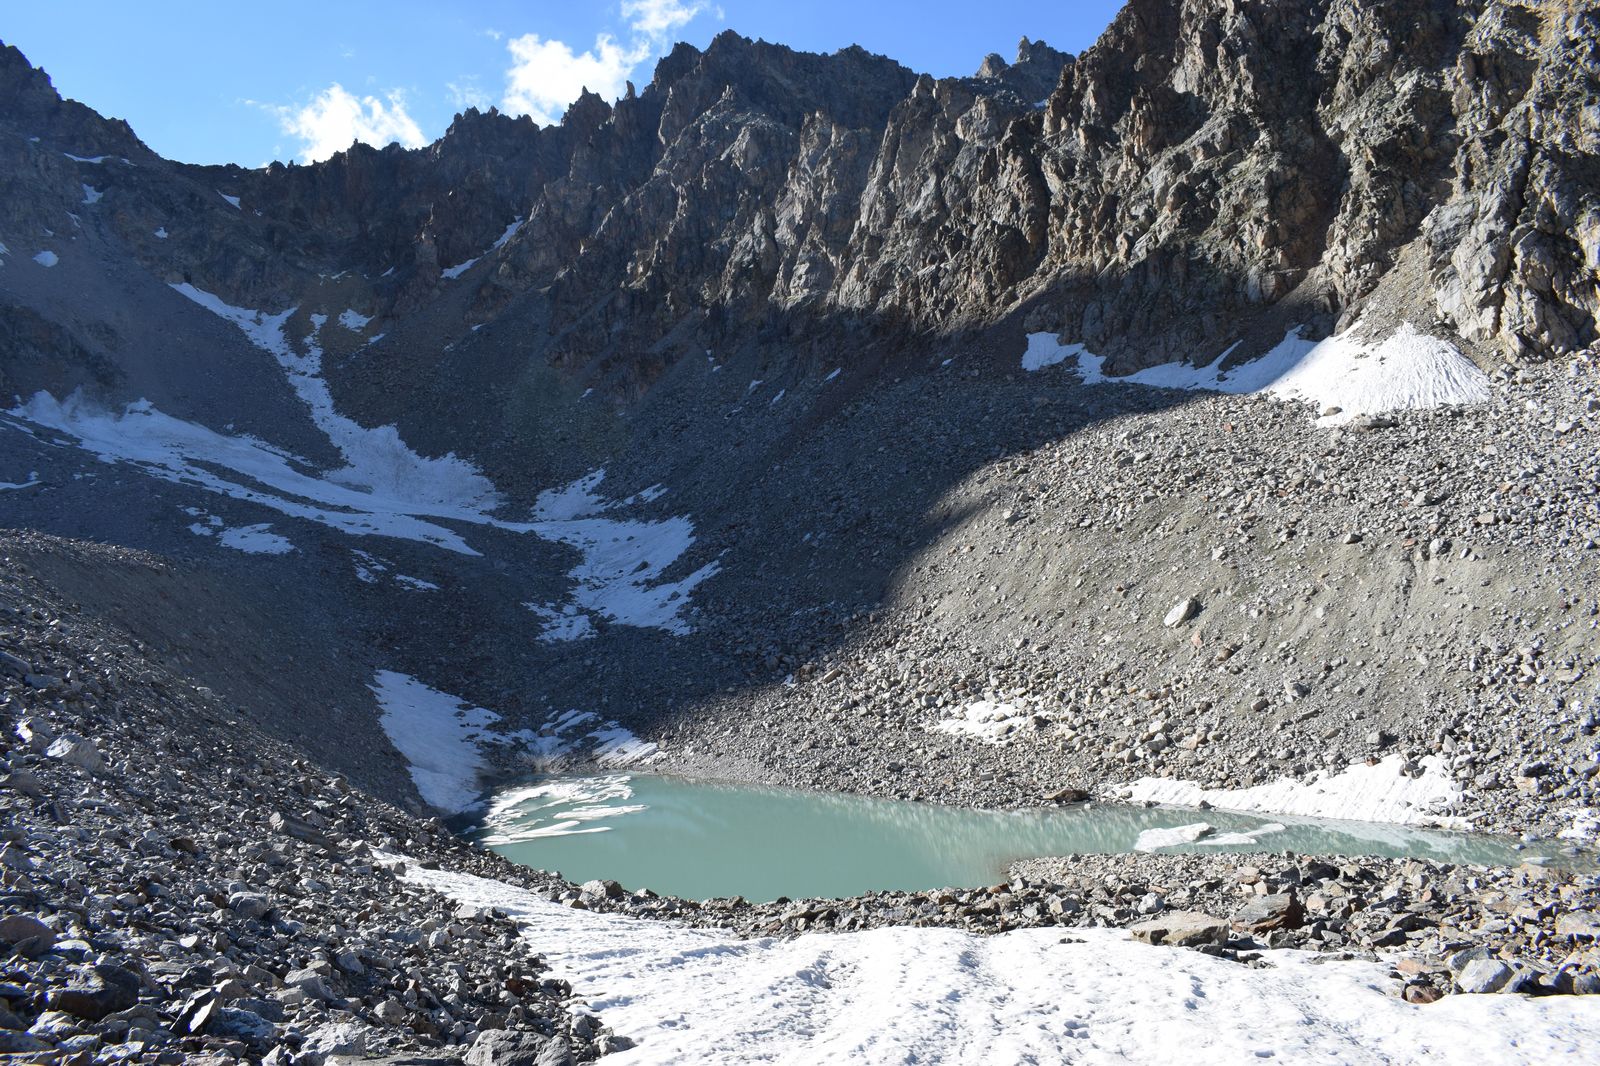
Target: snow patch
column 12, row 487
column 415, row 583
column 1342, row 375
column 1045, row 350
column 255, row 540
column 47, row 258
column 500, row 242
column 91, row 195
column 233, row 201
column 95, row 159
column 1376, row 793
column 354, row 321
column 988, row 720
column 942, row 995
column 161, row 233
column 439, row 735
column 387, row 489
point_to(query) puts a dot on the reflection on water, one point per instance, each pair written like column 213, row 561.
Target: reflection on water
column 699, row 839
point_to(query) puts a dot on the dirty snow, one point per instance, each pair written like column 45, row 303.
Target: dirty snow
column 47, row 258
column 1377, row 793
column 1343, row 375
column 1091, row 997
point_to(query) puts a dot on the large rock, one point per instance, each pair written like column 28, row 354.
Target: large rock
column 94, row 993
column 1182, row 929
column 507, row 1047
column 1263, row 914
column 1486, row 975
column 78, row 751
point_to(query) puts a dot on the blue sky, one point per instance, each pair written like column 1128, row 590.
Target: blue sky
column 247, row 84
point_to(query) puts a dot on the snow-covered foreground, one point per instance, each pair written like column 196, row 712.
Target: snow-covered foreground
column 1342, row 375
column 1032, row 996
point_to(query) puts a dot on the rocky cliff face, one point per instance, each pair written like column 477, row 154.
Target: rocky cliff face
column 1207, row 163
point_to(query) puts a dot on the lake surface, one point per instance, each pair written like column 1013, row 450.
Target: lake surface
column 698, row 839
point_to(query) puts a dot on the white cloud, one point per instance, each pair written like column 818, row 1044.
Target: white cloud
column 335, row 118
column 465, row 94
column 546, row 76
column 657, row 18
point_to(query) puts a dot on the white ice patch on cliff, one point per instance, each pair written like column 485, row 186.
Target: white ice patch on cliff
column 1377, row 793
column 500, row 242
column 944, row 996
column 1408, row 370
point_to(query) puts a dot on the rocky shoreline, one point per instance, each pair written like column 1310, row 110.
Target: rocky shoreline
column 180, row 888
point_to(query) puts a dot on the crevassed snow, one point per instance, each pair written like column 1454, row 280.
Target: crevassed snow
column 1376, row 793
column 354, row 320
column 1090, row 997
column 233, row 201
column 47, row 258
column 91, row 195
column 1406, row 370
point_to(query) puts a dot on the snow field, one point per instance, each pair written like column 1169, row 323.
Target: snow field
column 926, row 996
